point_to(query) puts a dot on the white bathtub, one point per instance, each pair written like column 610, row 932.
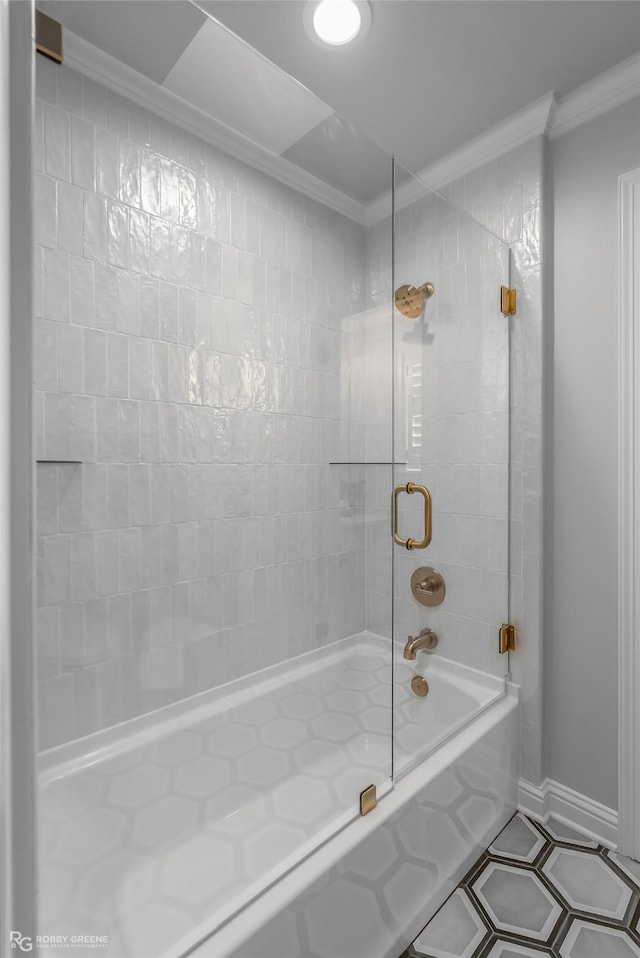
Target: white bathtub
column 157, row 832
column 456, row 695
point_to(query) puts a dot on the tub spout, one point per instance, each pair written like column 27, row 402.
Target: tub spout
column 427, row 639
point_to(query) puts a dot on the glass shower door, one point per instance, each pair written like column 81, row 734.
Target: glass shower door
column 213, row 417
column 451, row 477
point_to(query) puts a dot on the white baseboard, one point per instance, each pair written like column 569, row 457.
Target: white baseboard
column 531, row 801
column 553, row 800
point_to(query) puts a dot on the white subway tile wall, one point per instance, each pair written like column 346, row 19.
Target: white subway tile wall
column 507, row 196
column 188, row 347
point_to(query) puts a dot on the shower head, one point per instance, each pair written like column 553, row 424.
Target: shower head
column 410, row 300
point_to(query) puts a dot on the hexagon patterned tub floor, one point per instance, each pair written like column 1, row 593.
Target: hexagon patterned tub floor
column 145, row 843
column 539, row 890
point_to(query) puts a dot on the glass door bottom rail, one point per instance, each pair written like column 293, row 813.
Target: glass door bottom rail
column 180, row 818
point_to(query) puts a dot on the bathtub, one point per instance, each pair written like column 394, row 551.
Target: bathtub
column 237, row 811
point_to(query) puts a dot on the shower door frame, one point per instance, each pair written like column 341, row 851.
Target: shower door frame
column 628, row 513
column 17, row 700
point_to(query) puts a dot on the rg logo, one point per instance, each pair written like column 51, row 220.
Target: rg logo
column 23, row 942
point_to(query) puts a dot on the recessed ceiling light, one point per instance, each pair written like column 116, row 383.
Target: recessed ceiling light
column 336, row 22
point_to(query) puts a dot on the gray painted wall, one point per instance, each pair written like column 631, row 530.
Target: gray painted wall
column 581, row 698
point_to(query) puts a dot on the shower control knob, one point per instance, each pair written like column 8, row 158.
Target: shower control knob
column 427, row 586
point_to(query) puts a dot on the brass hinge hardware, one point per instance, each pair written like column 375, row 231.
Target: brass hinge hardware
column 507, row 639
column 508, row 301
column 49, row 37
column 368, row 800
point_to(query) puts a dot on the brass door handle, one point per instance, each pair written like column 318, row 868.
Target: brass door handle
column 410, row 488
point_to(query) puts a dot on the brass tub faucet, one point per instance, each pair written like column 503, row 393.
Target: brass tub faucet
column 427, row 639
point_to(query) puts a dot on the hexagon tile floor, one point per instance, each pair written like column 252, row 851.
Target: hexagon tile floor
column 539, row 890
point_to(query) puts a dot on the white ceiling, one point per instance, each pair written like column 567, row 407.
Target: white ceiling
column 431, row 75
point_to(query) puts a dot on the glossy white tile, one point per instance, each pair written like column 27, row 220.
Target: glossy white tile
column 150, row 242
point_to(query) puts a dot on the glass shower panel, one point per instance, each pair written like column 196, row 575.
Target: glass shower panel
column 451, row 360
column 213, row 412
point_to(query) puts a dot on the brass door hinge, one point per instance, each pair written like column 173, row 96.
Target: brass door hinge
column 507, row 639
column 368, row 800
column 508, row 301
column 49, row 37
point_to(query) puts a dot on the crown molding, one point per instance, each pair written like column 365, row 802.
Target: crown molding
column 532, row 121
column 598, row 96
column 546, row 116
column 92, row 62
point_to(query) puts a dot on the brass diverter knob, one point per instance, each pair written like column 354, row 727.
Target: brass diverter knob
column 419, row 685
column 428, row 586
